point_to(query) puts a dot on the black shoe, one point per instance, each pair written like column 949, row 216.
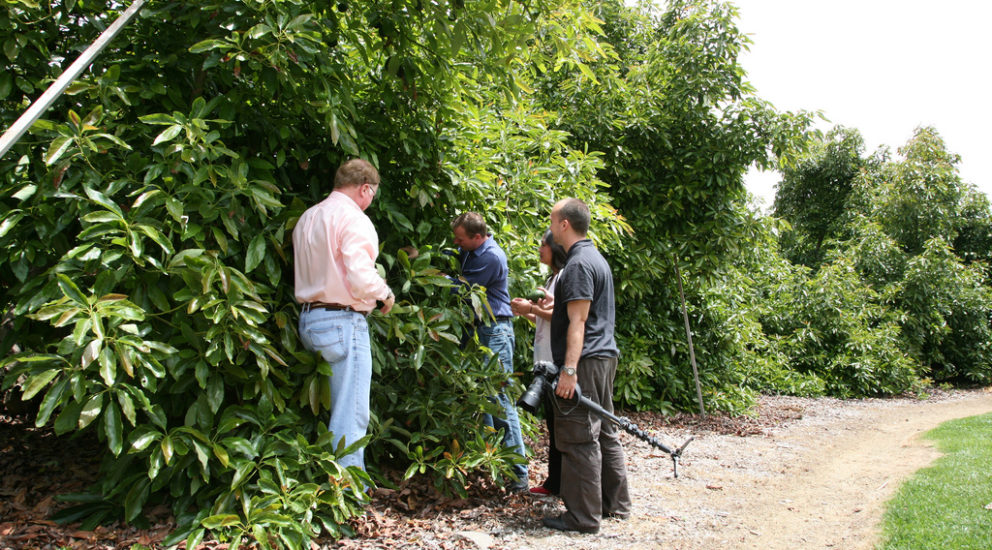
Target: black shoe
column 559, row 524
column 617, row 515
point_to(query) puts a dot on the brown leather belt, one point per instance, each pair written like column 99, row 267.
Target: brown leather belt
column 333, row 307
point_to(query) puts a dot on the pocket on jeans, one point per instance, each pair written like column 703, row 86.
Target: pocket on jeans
column 329, row 341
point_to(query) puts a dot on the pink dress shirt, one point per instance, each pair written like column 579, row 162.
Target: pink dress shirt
column 335, row 246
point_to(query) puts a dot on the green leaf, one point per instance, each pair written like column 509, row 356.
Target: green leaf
column 401, row 219
column 195, row 538
column 156, row 236
column 142, row 437
column 135, row 500
column 57, row 149
column 113, row 428
column 221, row 455
column 108, row 365
column 104, row 201
column 9, row 222
column 71, row 291
column 207, row 45
column 153, row 193
column 51, row 400
column 259, row 30
column 11, row 49
column 197, row 109
column 6, row 84
column 256, row 253
column 94, row 116
column 127, row 407
column 67, row 420
column 167, row 448
column 158, row 118
column 264, row 196
column 25, row 193
column 175, row 208
column 215, row 393
column 90, row 410
column 114, row 139
column 220, row 521
column 91, row 352
column 168, row 134
column 37, row 382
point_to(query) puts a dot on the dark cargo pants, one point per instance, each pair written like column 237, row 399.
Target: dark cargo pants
column 593, row 473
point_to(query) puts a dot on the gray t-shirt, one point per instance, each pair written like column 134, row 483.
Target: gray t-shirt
column 586, row 276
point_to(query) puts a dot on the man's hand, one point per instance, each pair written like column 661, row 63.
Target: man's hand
column 566, row 385
column 411, row 252
column 387, row 304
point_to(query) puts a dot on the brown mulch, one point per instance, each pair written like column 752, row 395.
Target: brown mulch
column 36, row 466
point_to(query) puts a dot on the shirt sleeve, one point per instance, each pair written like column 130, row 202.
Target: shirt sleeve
column 576, row 284
column 359, row 249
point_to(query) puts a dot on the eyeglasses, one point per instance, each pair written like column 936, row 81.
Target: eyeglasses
column 374, row 188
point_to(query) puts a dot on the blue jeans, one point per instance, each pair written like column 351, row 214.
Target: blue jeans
column 342, row 339
column 498, row 337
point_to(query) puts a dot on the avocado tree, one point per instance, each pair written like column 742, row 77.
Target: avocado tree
column 146, row 260
column 678, row 126
column 813, row 193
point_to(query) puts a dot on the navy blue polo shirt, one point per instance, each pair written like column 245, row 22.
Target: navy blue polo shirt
column 487, row 266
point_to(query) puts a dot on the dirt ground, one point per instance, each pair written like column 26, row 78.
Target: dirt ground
column 819, row 480
column 802, row 473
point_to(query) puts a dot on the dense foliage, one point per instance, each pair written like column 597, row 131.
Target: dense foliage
column 905, row 243
column 146, row 259
column 146, row 255
column 679, row 126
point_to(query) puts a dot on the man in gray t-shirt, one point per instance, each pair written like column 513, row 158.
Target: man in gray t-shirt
column 587, row 277
column 594, row 477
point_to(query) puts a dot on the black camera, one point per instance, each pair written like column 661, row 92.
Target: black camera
column 545, row 378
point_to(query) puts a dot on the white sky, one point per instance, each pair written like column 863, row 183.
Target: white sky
column 881, row 66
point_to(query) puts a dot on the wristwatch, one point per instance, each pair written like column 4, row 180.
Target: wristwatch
column 570, row 371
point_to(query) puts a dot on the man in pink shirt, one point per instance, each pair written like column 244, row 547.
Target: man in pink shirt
column 335, row 247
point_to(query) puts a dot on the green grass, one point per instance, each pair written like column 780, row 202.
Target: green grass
column 943, row 506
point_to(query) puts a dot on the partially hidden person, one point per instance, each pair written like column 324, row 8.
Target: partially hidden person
column 483, row 263
column 552, row 255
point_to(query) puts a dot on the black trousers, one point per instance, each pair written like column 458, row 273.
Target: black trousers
column 553, row 483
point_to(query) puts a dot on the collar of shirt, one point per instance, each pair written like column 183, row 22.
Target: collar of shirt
column 487, row 267
column 486, row 245
column 341, row 198
column 577, row 246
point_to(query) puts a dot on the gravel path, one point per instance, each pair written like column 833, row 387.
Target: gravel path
column 819, row 478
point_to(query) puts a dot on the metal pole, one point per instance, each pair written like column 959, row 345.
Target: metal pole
column 688, row 334
column 14, row 133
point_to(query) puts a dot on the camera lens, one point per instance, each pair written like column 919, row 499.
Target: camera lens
column 531, row 398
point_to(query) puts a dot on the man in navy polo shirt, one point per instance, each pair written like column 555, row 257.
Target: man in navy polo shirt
column 593, row 473
column 484, row 263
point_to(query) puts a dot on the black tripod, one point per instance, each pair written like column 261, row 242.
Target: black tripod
column 626, row 425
